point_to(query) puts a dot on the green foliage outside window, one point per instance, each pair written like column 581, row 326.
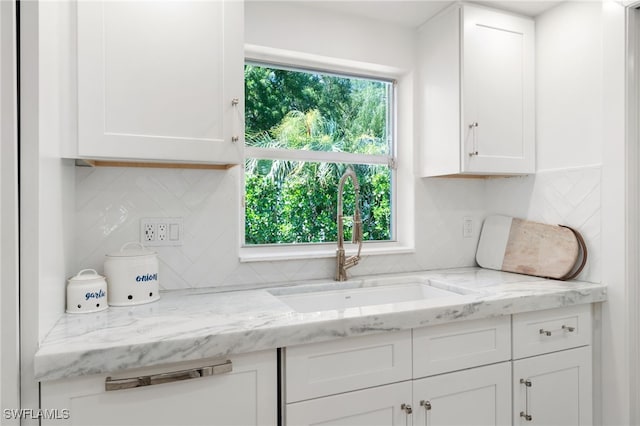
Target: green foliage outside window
column 295, row 201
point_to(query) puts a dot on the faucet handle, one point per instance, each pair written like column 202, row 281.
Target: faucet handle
column 356, row 236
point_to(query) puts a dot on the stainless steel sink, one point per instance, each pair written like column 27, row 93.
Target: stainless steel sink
column 332, row 297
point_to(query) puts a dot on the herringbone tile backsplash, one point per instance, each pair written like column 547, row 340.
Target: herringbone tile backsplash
column 111, row 201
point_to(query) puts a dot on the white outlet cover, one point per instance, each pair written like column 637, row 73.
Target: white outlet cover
column 167, row 231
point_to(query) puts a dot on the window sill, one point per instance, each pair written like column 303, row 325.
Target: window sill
column 318, row 251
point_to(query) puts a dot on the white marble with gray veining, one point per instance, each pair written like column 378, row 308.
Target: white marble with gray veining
column 198, row 324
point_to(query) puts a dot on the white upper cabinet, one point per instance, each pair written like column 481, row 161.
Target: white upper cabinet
column 157, row 80
column 477, row 93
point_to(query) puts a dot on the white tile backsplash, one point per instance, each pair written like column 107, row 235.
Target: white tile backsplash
column 111, row 201
column 569, row 197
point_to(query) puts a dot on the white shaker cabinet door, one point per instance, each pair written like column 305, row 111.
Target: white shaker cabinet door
column 473, row 397
column 476, row 68
column 156, row 80
column 497, row 92
column 388, row 405
column 553, row 389
column 243, row 397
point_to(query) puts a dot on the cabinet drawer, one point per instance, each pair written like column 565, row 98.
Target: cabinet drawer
column 328, row 368
column 552, row 330
column 455, row 346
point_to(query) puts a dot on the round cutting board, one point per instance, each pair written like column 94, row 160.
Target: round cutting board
column 526, row 247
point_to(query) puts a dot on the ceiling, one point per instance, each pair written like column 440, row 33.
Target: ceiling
column 412, row 13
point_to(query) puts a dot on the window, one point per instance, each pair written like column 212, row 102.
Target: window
column 303, row 130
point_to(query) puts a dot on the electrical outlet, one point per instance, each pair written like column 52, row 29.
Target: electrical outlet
column 161, row 231
column 148, row 232
column 467, row 227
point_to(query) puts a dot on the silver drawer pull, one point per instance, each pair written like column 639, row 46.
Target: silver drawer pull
column 526, row 416
column 174, row 376
column 564, row 328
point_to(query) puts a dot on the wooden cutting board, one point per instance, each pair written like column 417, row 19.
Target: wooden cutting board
column 532, row 248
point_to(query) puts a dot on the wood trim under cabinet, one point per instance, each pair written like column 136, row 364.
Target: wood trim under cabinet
column 109, row 163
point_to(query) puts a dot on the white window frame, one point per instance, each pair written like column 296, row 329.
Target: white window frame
column 401, row 192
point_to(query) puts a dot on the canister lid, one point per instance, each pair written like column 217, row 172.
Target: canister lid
column 132, row 249
column 86, row 275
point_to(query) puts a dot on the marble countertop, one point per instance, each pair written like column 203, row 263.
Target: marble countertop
column 198, row 324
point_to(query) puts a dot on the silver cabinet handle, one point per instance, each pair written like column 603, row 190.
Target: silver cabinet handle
column 174, row 376
column 427, row 407
column 238, row 118
column 408, row 411
column 525, row 414
column 474, row 150
column 564, row 328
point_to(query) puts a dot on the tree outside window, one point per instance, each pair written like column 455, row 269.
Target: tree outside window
column 303, row 129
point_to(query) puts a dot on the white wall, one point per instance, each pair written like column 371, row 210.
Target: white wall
column 569, row 86
column 616, row 360
column 9, row 340
column 303, row 28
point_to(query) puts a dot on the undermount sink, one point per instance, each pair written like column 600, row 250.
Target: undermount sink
column 332, row 297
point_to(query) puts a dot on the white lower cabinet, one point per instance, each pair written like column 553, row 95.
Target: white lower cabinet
column 477, row 396
column 527, row 369
column 378, row 406
column 553, row 389
column 247, row 395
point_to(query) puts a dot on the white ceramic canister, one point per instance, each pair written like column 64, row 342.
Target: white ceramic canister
column 86, row 292
column 132, row 275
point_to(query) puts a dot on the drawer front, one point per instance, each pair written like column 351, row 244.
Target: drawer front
column 551, row 330
column 328, row 368
column 456, row 346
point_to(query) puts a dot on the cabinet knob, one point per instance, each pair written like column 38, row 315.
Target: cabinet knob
column 426, row 405
column 406, row 408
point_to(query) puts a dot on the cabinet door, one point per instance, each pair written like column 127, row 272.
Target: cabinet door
column 156, row 80
column 369, row 407
column 478, row 396
column 553, row 389
column 497, row 92
column 245, row 396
